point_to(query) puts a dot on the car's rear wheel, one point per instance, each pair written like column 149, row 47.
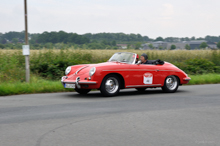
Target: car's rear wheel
column 171, row 84
column 110, row 85
column 140, row 89
column 82, row 91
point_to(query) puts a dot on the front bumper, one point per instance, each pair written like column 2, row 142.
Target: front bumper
column 187, row 79
column 77, row 82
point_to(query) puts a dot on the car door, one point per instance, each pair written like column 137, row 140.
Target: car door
column 144, row 75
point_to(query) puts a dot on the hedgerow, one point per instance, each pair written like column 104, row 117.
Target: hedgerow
column 51, row 63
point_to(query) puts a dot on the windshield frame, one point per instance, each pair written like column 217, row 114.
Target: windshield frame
column 132, row 62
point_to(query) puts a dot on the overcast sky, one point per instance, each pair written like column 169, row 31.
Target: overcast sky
column 153, row 18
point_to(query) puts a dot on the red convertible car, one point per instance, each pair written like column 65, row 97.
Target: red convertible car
column 121, row 71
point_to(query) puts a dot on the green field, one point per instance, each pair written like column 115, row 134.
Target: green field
column 47, row 66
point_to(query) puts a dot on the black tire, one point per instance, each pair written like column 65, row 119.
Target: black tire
column 110, row 85
column 82, row 91
column 171, row 84
column 140, row 89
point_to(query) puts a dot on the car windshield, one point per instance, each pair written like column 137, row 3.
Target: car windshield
column 123, row 57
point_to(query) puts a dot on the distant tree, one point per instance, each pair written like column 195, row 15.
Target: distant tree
column 151, row 46
column 2, row 41
column 187, row 47
column 128, row 46
column 159, row 39
column 104, row 42
column 200, row 38
column 169, row 39
column 15, row 40
column 12, row 34
column 146, row 38
column 212, row 38
column 2, row 46
column 114, row 43
column 218, row 44
column 186, row 39
column 173, row 47
column 138, row 45
column 193, row 38
column 203, row 45
column 96, row 46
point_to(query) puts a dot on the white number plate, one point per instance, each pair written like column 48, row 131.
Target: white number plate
column 70, row 86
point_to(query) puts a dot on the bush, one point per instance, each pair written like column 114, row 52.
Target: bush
column 2, row 46
column 52, row 65
column 197, row 66
column 216, row 57
column 12, row 67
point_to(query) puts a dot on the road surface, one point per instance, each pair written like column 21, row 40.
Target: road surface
column 189, row 117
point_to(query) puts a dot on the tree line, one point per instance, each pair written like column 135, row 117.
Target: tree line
column 88, row 40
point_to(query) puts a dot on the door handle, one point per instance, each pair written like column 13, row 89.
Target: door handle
column 157, row 70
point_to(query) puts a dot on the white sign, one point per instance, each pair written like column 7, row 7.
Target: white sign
column 148, row 78
column 26, row 50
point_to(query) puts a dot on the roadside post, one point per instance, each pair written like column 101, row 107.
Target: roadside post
column 26, row 53
column 26, row 47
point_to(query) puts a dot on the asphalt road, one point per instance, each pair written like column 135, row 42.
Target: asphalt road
column 189, row 117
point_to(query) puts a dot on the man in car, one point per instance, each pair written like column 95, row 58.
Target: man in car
column 144, row 58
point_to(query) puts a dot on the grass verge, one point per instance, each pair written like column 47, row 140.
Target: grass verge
column 39, row 85
column 204, row 79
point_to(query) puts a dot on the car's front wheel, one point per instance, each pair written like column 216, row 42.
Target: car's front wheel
column 110, row 85
column 171, row 84
column 82, row 91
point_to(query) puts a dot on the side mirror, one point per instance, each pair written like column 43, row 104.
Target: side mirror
column 139, row 62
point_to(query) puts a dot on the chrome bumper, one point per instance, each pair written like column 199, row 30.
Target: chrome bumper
column 187, row 79
column 77, row 82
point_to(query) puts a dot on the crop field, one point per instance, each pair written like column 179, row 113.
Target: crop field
column 48, row 65
column 51, row 64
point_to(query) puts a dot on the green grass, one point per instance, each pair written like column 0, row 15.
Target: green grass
column 39, row 85
column 204, row 79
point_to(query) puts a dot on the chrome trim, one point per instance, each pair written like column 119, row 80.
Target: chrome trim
column 157, row 70
column 144, row 85
column 169, row 70
column 77, row 82
column 81, row 82
column 80, row 69
column 187, row 79
column 130, row 70
column 63, row 78
column 87, row 82
column 70, row 82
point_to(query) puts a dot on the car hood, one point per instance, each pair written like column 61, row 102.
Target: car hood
column 85, row 68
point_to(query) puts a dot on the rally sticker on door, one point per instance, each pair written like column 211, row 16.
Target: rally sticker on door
column 148, row 78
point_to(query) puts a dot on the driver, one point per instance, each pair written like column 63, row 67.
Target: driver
column 144, row 58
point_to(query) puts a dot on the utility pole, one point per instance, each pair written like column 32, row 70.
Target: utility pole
column 26, row 50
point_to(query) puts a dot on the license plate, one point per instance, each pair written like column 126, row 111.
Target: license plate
column 70, row 86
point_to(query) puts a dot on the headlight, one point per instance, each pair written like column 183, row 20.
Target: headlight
column 67, row 71
column 92, row 71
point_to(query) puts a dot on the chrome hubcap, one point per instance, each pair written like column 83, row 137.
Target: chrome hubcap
column 171, row 83
column 111, row 85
